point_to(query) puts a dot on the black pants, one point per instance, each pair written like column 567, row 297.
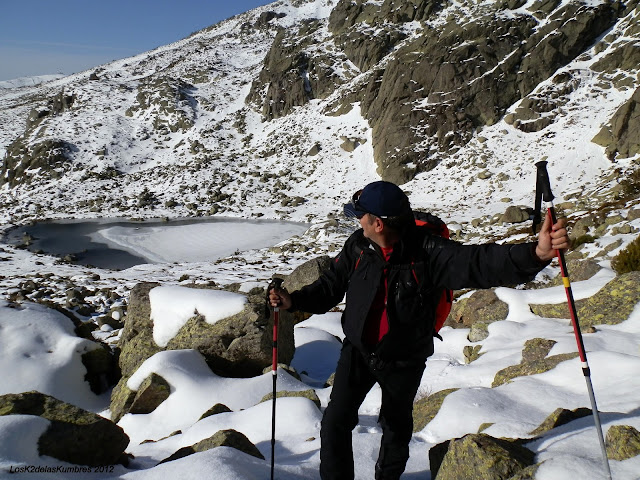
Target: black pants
column 355, row 376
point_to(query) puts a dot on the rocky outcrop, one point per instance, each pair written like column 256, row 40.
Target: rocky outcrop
column 306, row 273
column 32, row 155
column 167, row 103
column 453, row 79
column 621, row 136
column 223, row 438
column 426, row 408
column 534, row 361
column 480, row 456
column 515, row 214
column 622, row 442
column 425, row 81
column 56, row 105
column 611, row 305
column 25, row 162
column 435, row 88
column 483, row 306
column 237, row 346
column 152, row 392
column 240, row 345
column 428, row 75
column 74, row 435
column 308, row 394
column 265, row 18
column 362, row 31
column 558, row 417
column 294, row 72
column 579, row 270
column 215, row 410
column 539, row 110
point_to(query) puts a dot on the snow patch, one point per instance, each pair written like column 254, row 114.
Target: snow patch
column 172, row 306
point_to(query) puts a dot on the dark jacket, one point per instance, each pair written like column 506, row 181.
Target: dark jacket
column 420, row 266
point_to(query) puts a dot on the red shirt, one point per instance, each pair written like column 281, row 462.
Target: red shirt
column 377, row 324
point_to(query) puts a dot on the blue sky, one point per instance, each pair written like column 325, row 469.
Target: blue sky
column 39, row 37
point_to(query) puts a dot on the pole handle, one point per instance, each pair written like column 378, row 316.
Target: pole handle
column 543, row 185
column 275, row 284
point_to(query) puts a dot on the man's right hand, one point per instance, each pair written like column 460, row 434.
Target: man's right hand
column 279, row 298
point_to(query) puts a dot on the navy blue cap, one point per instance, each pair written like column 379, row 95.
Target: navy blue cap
column 382, row 199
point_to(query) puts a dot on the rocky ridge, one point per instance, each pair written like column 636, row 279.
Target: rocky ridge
column 197, row 127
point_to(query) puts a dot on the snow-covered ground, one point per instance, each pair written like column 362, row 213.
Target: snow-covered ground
column 48, row 360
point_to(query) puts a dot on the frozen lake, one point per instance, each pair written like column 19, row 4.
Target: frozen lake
column 118, row 244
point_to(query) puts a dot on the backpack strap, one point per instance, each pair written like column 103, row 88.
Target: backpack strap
column 358, row 260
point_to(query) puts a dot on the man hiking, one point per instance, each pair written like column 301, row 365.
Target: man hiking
column 393, row 273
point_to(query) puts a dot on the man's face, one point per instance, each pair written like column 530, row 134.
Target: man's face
column 367, row 222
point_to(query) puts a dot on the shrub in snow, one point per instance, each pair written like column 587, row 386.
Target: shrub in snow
column 628, row 260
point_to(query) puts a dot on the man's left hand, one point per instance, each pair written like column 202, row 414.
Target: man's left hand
column 552, row 238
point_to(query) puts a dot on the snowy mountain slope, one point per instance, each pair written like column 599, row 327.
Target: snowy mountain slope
column 28, row 81
column 170, row 133
column 174, row 122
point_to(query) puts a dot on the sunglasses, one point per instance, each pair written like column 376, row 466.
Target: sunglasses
column 355, row 203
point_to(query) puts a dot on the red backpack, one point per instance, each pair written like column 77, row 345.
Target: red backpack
column 436, row 226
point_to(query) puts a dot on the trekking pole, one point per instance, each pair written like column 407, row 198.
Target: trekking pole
column 543, row 189
column 276, row 283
